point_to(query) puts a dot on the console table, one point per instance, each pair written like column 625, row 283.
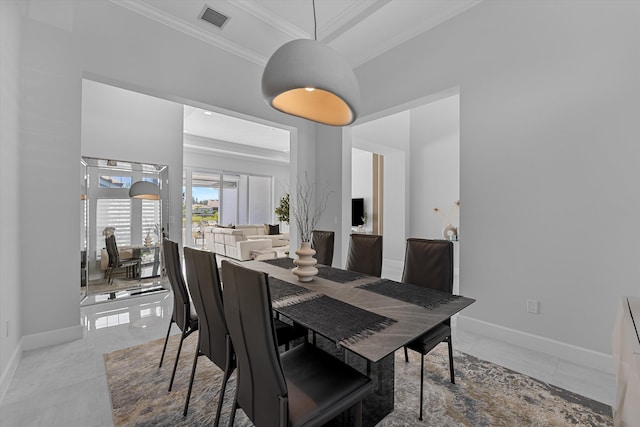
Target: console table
column 626, row 357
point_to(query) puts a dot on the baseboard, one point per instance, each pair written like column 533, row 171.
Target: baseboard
column 579, row 355
column 7, row 375
column 49, row 338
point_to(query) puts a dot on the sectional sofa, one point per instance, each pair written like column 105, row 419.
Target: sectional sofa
column 238, row 242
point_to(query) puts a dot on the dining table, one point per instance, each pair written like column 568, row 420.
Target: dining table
column 360, row 319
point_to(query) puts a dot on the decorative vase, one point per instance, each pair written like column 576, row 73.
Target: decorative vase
column 305, row 262
column 450, row 232
column 147, row 240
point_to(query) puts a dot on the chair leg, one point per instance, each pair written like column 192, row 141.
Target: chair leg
column 358, row 414
column 165, row 342
column 227, row 374
column 175, row 365
column 193, row 374
column 406, row 355
column 232, row 416
column 421, row 385
column 453, row 378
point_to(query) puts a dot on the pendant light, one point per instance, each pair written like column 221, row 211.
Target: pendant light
column 144, row 190
column 308, row 79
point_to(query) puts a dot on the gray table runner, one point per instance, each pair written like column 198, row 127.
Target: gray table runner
column 334, row 274
column 335, row 319
column 412, row 294
column 285, row 292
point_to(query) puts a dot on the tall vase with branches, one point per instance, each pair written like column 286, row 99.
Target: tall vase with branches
column 307, row 214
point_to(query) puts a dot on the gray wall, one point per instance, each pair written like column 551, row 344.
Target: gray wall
column 10, row 330
column 548, row 121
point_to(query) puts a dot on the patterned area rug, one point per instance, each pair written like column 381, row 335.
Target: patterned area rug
column 484, row 394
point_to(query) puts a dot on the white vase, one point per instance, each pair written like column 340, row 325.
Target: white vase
column 305, row 262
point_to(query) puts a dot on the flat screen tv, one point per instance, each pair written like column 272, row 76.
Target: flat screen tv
column 357, row 211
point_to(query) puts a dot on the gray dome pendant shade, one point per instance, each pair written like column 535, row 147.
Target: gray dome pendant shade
column 144, row 190
column 308, row 79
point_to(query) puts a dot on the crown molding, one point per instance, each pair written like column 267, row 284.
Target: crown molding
column 270, row 18
column 158, row 15
column 412, row 32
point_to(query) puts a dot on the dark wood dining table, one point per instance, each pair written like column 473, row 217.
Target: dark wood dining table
column 382, row 315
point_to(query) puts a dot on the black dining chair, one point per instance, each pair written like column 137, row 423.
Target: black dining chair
column 322, row 242
column 184, row 315
column 303, row 386
column 429, row 264
column 365, row 254
column 213, row 336
column 131, row 265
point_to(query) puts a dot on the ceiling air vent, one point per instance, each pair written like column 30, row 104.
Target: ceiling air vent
column 213, row 17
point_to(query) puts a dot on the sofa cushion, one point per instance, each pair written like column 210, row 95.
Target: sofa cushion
column 271, row 230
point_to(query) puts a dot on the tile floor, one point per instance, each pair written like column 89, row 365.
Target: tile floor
column 65, row 385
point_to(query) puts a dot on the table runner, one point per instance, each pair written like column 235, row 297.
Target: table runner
column 324, row 271
column 336, row 320
column 285, row 293
column 412, row 294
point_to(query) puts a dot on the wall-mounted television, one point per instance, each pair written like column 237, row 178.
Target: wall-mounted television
column 357, row 211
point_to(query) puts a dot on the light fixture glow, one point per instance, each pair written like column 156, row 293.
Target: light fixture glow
column 308, row 79
column 208, row 113
column 144, row 190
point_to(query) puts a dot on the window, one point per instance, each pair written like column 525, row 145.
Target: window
column 113, row 213
column 150, row 218
column 223, row 198
column 107, row 181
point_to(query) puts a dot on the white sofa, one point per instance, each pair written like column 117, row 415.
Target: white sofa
column 240, row 241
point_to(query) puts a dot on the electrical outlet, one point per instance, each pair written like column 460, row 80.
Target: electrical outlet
column 533, row 306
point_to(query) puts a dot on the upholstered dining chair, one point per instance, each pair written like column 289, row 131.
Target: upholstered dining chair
column 429, row 264
column 365, row 254
column 203, row 280
column 322, row 243
column 184, row 315
column 303, row 386
column 130, row 264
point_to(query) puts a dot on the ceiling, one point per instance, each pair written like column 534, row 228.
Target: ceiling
column 358, row 29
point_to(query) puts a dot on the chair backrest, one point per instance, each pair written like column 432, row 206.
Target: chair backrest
column 247, row 307
column 181, row 306
column 429, row 263
column 322, row 243
column 365, row 254
column 112, row 251
column 204, row 284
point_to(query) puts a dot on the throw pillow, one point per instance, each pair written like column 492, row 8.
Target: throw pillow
column 274, row 229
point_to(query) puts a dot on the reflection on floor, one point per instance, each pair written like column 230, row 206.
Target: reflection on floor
column 65, row 385
column 101, row 287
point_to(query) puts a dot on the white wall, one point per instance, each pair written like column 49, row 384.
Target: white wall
column 119, row 124
column 435, row 167
column 331, row 176
column 48, row 184
column 548, row 118
column 362, row 180
column 10, row 309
